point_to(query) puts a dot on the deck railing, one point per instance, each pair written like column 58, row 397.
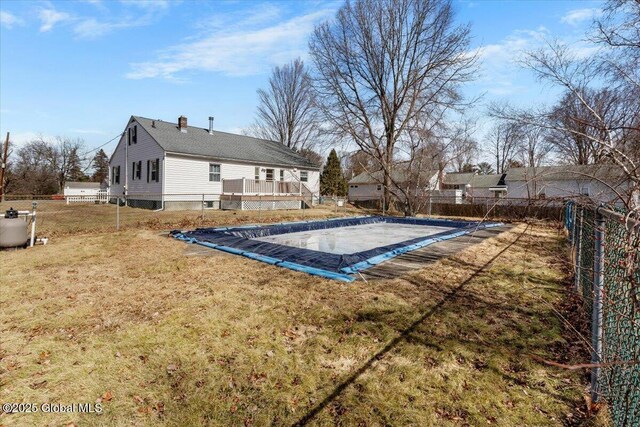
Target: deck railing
column 258, row 186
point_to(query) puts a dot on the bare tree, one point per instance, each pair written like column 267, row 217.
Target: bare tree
column 535, row 146
column 286, row 112
column 463, row 149
column 599, row 119
column 357, row 163
column 43, row 167
column 505, row 142
column 380, row 64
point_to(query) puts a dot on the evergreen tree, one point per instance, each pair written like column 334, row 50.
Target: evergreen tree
column 332, row 182
column 74, row 167
column 100, row 166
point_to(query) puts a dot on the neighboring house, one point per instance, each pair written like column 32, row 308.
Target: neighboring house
column 369, row 186
column 163, row 165
column 487, row 186
column 457, row 180
column 602, row 183
column 85, row 191
column 474, row 186
column 73, row 188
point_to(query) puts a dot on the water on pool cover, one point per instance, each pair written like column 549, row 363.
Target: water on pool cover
column 356, row 238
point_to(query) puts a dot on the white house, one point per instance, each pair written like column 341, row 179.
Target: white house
column 369, row 186
column 75, row 191
column 163, row 165
column 602, row 183
column 76, row 188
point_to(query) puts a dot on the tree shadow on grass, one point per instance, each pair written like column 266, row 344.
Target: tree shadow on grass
column 405, row 334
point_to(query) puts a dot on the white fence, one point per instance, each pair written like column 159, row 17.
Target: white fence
column 101, row 196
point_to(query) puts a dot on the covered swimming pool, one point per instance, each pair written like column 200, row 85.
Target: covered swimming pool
column 335, row 248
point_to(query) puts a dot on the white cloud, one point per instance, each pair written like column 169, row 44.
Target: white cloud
column 50, row 17
column 8, row 20
column 576, row 16
column 149, row 4
column 250, row 45
column 92, row 28
column 88, row 131
column 500, row 71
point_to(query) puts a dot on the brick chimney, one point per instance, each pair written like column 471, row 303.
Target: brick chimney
column 182, row 123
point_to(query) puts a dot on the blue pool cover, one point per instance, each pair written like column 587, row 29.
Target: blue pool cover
column 240, row 241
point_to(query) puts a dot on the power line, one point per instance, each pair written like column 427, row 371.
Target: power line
column 100, row 146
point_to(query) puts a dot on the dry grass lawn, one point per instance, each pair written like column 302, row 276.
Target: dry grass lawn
column 163, row 338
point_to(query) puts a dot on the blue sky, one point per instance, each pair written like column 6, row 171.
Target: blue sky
column 80, row 69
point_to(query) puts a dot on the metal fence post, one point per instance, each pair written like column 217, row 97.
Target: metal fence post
column 596, row 315
column 117, row 213
column 578, row 246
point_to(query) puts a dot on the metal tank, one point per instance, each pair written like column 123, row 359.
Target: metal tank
column 13, row 230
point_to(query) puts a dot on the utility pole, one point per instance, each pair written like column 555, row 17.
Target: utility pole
column 4, row 166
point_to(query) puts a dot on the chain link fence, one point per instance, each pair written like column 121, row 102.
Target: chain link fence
column 606, row 253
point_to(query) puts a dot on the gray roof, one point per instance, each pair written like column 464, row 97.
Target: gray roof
column 78, row 184
column 486, row 181
column 222, row 145
column 458, row 178
column 377, row 177
column 607, row 173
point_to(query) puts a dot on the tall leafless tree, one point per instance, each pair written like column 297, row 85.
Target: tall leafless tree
column 380, row 64
column 504, row 140
column 286, row 111
column 43, row 167
column 535, row 146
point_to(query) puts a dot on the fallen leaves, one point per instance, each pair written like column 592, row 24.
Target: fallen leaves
column 107, row 396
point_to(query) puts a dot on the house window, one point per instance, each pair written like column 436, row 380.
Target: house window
column 132, row 135
column 115, row 175
column 379, row 187
column 585, row 191
column 281, row 174
column 270, row 174
column 214, row 172
column 304, row 176
column 256, row 174
column 155, row 170
column 136, row 170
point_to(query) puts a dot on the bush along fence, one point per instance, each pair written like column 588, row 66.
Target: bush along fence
column 606, row 251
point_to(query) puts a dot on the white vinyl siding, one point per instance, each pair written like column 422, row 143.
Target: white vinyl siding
column 144, row 149
column 188, row 176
